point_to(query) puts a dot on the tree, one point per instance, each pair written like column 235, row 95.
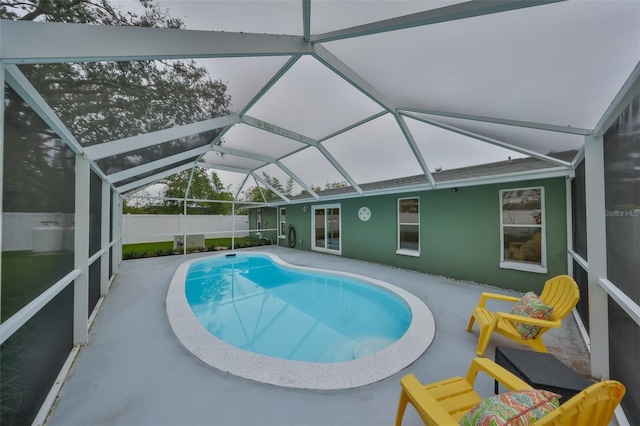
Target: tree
column 254, row 193
column 106, row 101
column 332, row 185
column 204, row 186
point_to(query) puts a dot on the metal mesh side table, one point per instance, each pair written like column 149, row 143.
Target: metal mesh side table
column 541, row 371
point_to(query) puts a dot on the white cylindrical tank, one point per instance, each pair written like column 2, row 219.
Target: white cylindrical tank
column 47, row 237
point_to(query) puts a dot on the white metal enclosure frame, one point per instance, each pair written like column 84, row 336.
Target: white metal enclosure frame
column 528, row 77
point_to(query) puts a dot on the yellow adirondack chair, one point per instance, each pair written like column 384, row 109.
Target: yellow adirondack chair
column 561, row 292
column 445, row 402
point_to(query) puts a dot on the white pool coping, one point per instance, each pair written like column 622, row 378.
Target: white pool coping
column 298, row 374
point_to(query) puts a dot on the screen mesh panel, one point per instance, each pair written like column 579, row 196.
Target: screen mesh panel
column 38, row 206
column 32, row 358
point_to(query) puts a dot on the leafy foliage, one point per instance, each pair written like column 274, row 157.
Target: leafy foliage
column 258, row 194
column 106, row 101
column 38, row 166
column 204, row 186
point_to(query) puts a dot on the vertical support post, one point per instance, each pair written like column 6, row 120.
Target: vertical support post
column 233, row 224
column 116, row 216
column 597, row 249
column 184, row 235
column 569, row 203
column 81, row 254
column 186, row 195
column 104, row 238
column 1, row 161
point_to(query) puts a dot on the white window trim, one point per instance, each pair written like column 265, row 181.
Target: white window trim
column 404, row 251
column 313, row 228
column 280, row 222
column 525, row 266
column 259, row 222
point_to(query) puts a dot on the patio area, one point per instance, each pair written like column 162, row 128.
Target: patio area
column 134, row 371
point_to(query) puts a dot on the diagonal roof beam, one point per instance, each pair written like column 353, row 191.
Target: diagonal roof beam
column 620, row 102
column 64, row 42
column 223, row 167
column 340, row 169
column 264, row 158
column 239, row 191
column 120, row 146
column 152, row 179
column 268, row 185
column 277, row 76
column 297, row 179
column 147, row 167
column 489, row 140
column 272, row 128
column 244, row 154
column 353, row 126
column 340, row 68
column 448, row 13
column 18, row 82
column 505, row 121
column 414, row 148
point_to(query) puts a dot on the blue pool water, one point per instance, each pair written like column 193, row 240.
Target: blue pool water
column 252, row 303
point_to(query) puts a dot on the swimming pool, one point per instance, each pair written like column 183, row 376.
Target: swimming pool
column 229, row 312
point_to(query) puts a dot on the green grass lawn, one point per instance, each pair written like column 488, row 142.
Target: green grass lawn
column 26, row 275
column 162, row 248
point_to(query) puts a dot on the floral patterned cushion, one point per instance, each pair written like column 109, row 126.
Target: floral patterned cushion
column 531, row 306
column 516, row 408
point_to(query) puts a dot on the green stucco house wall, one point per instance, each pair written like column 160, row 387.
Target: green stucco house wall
column 459, row 233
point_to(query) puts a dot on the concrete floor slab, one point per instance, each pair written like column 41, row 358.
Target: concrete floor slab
column 135, row 372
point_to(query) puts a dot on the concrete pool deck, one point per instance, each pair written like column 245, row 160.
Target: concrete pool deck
column 135, row 372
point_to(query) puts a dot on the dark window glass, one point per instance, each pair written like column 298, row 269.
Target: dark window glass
column 283, row 221
column 94, row 285
column 582, row 279
column 38, row 206
column 95, row 214
column 409, row 224
column 522, row 218
column 319, row 227
column 579, row 210
column 522, row 244
column 409, row 237
column 624, row 346
column 32, row 358
column 622, row 200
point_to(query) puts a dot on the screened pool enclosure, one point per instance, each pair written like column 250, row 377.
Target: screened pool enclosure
column 306, row 104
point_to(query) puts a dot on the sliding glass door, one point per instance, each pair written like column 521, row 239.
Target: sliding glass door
column 326, row 229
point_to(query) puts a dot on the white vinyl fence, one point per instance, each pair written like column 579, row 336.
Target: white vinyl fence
column 146, row 228
column 52, row 232
column 39, row 232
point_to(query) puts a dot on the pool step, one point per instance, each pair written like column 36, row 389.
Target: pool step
column 347, row 350
column 370, row 345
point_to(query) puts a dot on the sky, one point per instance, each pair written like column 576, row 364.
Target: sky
column 478, row 67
